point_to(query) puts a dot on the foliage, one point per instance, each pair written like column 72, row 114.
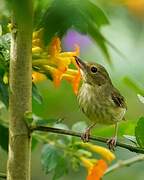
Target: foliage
column 4, row 134
column 86, row 17
column 139, row 132
column 4, row 64
column 52, row 20
column 60, row 153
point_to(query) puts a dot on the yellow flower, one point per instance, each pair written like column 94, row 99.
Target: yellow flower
column 5, row 78
column 37, row 45
column 106, row 153
column 37, row 77
column 86, row 162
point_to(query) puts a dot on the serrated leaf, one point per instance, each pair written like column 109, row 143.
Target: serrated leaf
column 50, row 157
column 131, row 138
column 79, row 126
column 4, row 137
column 36, row 94
column 139, row 132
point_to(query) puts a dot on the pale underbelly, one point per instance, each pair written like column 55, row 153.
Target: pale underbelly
column 99, row 107
column 103, row 112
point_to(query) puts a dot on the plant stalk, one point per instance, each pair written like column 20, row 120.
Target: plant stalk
column 20, row 89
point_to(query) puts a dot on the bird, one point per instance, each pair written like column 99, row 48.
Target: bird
column 99, row 100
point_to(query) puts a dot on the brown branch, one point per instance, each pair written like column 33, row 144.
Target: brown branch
column 76, row 134
column 125, row 163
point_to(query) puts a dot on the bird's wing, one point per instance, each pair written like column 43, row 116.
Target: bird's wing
column 118, row 99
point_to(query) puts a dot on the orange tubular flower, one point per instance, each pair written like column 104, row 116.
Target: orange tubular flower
column 60, row 59
column 56, row 62
column 97, row 171
column 96, row 168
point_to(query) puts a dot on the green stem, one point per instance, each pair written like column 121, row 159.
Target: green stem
column 125, row 163
column 72, row 133
column 20, row 86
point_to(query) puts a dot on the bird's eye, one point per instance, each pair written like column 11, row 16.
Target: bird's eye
column 93, row 69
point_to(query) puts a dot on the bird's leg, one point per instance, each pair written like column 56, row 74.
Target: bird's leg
column 85, row 136
column 112, row 141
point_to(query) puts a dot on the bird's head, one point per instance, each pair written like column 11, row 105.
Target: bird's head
column 93, row 73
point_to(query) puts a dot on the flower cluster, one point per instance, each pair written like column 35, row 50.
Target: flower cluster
column 96, row 168
column 55, row 62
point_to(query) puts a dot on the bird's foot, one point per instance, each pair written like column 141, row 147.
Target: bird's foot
column 85, row 136
column 112, row 143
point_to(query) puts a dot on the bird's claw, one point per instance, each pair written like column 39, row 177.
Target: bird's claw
column 112, row 143
column 85, row 136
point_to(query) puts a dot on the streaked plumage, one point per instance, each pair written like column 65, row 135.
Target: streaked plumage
column 100, row 101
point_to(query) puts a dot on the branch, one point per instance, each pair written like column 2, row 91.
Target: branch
column 72, row 133
column 125, row 163
column 2, row 175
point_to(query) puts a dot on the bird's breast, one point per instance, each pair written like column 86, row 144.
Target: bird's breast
column 97, row 106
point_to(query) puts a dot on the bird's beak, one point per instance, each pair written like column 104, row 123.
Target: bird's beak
column 81, row 64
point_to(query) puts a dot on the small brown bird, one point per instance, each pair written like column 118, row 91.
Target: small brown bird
column 100, row 101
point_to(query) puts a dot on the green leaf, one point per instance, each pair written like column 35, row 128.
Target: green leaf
column 108, row 130
column 79, row 126
column 99, row 39
column 4, row 95
column 61, row 126
column 4, row 137
column 96, row 13
column 4, row 64
column 85, row 17
column 61, row 169
column 34, row 143
column 36, row 94
column 131, row 138
column 141, row 98
column 0, row 30
column 50, row 157
column 4, row 51
column 134, row 85
column 139, row 132
column 39, row 9
column 44, row 122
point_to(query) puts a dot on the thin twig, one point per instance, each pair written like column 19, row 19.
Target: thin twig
column 2, row 176
column 125, row 163
column 100, row 139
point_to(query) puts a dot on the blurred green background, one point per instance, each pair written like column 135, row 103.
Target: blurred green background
column 126, row 32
